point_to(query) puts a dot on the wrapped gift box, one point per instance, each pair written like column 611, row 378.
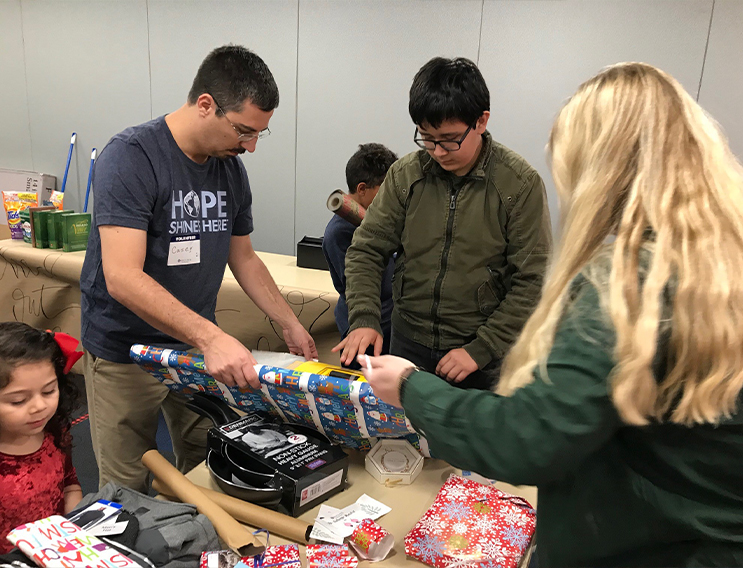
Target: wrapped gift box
column 282, row 556
column 346, row 411
column 470, row 524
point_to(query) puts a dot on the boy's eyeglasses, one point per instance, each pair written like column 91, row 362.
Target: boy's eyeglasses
column 448, row 145
column 241, row 136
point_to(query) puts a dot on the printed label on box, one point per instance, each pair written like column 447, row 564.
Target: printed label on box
column 321, row 487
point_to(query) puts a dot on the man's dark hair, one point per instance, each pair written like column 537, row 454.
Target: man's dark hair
column 232, row 74
column 369, row 165
column 448, row 89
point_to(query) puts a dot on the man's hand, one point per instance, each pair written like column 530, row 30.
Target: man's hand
column 300, row 342
column 230, row 362
column 456, row 366
column 357, row 342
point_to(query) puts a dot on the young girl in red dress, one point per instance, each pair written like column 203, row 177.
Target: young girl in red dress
column 37, row 478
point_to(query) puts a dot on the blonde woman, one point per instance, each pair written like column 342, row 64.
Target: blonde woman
column 621, row 400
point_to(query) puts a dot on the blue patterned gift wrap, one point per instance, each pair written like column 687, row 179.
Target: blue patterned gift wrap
column 345, row 411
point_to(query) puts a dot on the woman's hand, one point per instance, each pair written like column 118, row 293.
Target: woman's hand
column 384, row 376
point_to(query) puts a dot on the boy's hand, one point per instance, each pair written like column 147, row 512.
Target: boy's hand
column 357, row 342
column 456, row 366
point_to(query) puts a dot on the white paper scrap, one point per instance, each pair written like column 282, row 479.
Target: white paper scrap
column 326, row 512
column 333, row 525
column 344, row 522
column 320, row 531
column 374, row 508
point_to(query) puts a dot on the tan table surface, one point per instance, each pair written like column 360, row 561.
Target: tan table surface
column 408, row 502
column 42, row 288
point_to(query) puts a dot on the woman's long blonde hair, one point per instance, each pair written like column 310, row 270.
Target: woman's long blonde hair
column 634, row 157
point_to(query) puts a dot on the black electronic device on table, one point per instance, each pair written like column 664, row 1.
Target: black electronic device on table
column 310, row 255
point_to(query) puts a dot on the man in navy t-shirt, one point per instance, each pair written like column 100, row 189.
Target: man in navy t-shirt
column 365, row 172
column 172, row 209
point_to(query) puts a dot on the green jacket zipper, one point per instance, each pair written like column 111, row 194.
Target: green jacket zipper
column 444, row 262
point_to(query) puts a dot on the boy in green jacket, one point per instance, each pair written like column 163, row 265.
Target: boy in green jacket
column 469, row 220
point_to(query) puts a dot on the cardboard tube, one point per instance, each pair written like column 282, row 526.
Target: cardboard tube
column 344, row 206
column 229, row 530
column 253, row 515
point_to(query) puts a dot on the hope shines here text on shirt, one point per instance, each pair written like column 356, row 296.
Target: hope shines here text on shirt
column 190, row 213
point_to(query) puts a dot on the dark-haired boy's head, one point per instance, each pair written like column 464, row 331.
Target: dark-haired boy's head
column 450, row 105
column 448, row 90
column 366, row 169
column 232, row 75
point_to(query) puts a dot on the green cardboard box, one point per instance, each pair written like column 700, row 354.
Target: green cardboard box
column 39, row 224
column 26, row 225
column 75, row 231
column 54, row 228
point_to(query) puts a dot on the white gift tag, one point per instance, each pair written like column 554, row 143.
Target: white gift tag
column 109, row 529
column 333, row 525
column 184, row 249
column 344, row 522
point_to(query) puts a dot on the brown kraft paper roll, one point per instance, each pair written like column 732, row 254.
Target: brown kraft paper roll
column 344, row 206
column 253, row 515
column 236, row 536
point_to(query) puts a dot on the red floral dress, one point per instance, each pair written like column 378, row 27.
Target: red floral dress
column 32, row 486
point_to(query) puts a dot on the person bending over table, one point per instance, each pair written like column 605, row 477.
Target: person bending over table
column 621, row 399
column 172, row 208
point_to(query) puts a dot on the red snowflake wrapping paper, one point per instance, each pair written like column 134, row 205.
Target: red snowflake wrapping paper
column 330, row 556
column 472, row 526
column 371, row 542
column 280, row 556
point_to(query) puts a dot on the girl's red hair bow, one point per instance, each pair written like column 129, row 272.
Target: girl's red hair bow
column 68, row 345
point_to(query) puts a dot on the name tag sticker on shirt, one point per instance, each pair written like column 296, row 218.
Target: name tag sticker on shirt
column 184, row 249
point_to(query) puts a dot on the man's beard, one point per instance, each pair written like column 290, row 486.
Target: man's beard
column 228, row 153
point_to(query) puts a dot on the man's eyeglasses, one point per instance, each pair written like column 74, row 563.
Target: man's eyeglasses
column 448, row 145
column 241, row 136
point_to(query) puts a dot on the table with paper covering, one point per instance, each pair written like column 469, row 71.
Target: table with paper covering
column 42, row 288
column 408, row 502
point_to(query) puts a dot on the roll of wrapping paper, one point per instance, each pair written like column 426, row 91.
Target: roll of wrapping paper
column 253, row 515
column 236, row 536
column 344, row 206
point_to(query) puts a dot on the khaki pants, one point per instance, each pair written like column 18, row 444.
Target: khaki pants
column 123, row 402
